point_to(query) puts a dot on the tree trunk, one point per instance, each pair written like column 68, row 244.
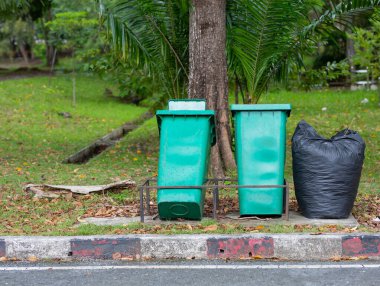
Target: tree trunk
column 50, row 61
column 208, row 73
column 50, row 50
column 350, row 50
column 24, row 53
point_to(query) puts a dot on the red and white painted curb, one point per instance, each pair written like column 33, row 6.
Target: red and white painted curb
column 134, row 247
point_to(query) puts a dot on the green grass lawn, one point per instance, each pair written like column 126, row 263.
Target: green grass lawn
column 344, row 110
column 34, row 140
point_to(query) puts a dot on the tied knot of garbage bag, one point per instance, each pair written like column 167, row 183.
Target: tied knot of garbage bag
column 326, row 172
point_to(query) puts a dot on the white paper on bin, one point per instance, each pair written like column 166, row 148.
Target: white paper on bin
column 187, row 105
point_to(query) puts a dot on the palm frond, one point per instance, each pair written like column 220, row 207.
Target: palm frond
column 10, row 5
column 12, row 8
column 153, row 34
column 262, row 35
column 266, row 38
column 342, row 14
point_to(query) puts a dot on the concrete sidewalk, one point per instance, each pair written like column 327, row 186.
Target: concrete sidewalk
column 299, row 247
column 295, row 218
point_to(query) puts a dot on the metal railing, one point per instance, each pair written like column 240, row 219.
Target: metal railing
column 211, row 183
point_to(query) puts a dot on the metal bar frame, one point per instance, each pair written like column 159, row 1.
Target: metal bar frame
column 211, row 183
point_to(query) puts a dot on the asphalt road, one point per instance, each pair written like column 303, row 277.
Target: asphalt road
column 191, row 273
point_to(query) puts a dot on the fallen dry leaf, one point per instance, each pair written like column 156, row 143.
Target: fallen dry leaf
column 336, row 258
column 316, row 233
column 127, row 258
column 80, row 220
column 345, row 258
column 116, row 256
column 32, row 258
column 212, row 227
column 13, row 259
column 358, row 258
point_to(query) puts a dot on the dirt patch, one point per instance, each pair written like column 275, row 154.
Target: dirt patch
column 22, row 72
column 366, row 208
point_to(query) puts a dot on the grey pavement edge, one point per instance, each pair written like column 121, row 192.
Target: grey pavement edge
column 297, row 247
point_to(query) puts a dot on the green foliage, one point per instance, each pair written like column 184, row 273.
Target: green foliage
column 153, row 35
column 72, row 30
column 367, row 46
column 39, row 8
column 39, row 50
column 364, row 42
column 333, row 15
column 319, row 78
column 135, row 84
column 21, row 31
column 269, row 39
column 61, row 6
column 8, row 7
column 15, row 34
column 330, row 48
column 263, row 40
column 18, row 19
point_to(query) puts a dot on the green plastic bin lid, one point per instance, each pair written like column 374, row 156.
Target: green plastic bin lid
column 190, row 113
column 261, row 107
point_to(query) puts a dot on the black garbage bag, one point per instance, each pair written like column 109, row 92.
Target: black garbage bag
column 326, row 172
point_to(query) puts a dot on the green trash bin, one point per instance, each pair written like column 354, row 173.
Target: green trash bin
column 186, row 137
column 260, row 144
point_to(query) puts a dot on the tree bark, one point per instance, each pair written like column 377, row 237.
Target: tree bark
column 49, row 55
column 24, row 53
column 350, row 51
column 50, row 49
column 208, row 73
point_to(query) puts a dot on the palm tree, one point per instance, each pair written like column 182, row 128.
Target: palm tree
column 265, row 39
